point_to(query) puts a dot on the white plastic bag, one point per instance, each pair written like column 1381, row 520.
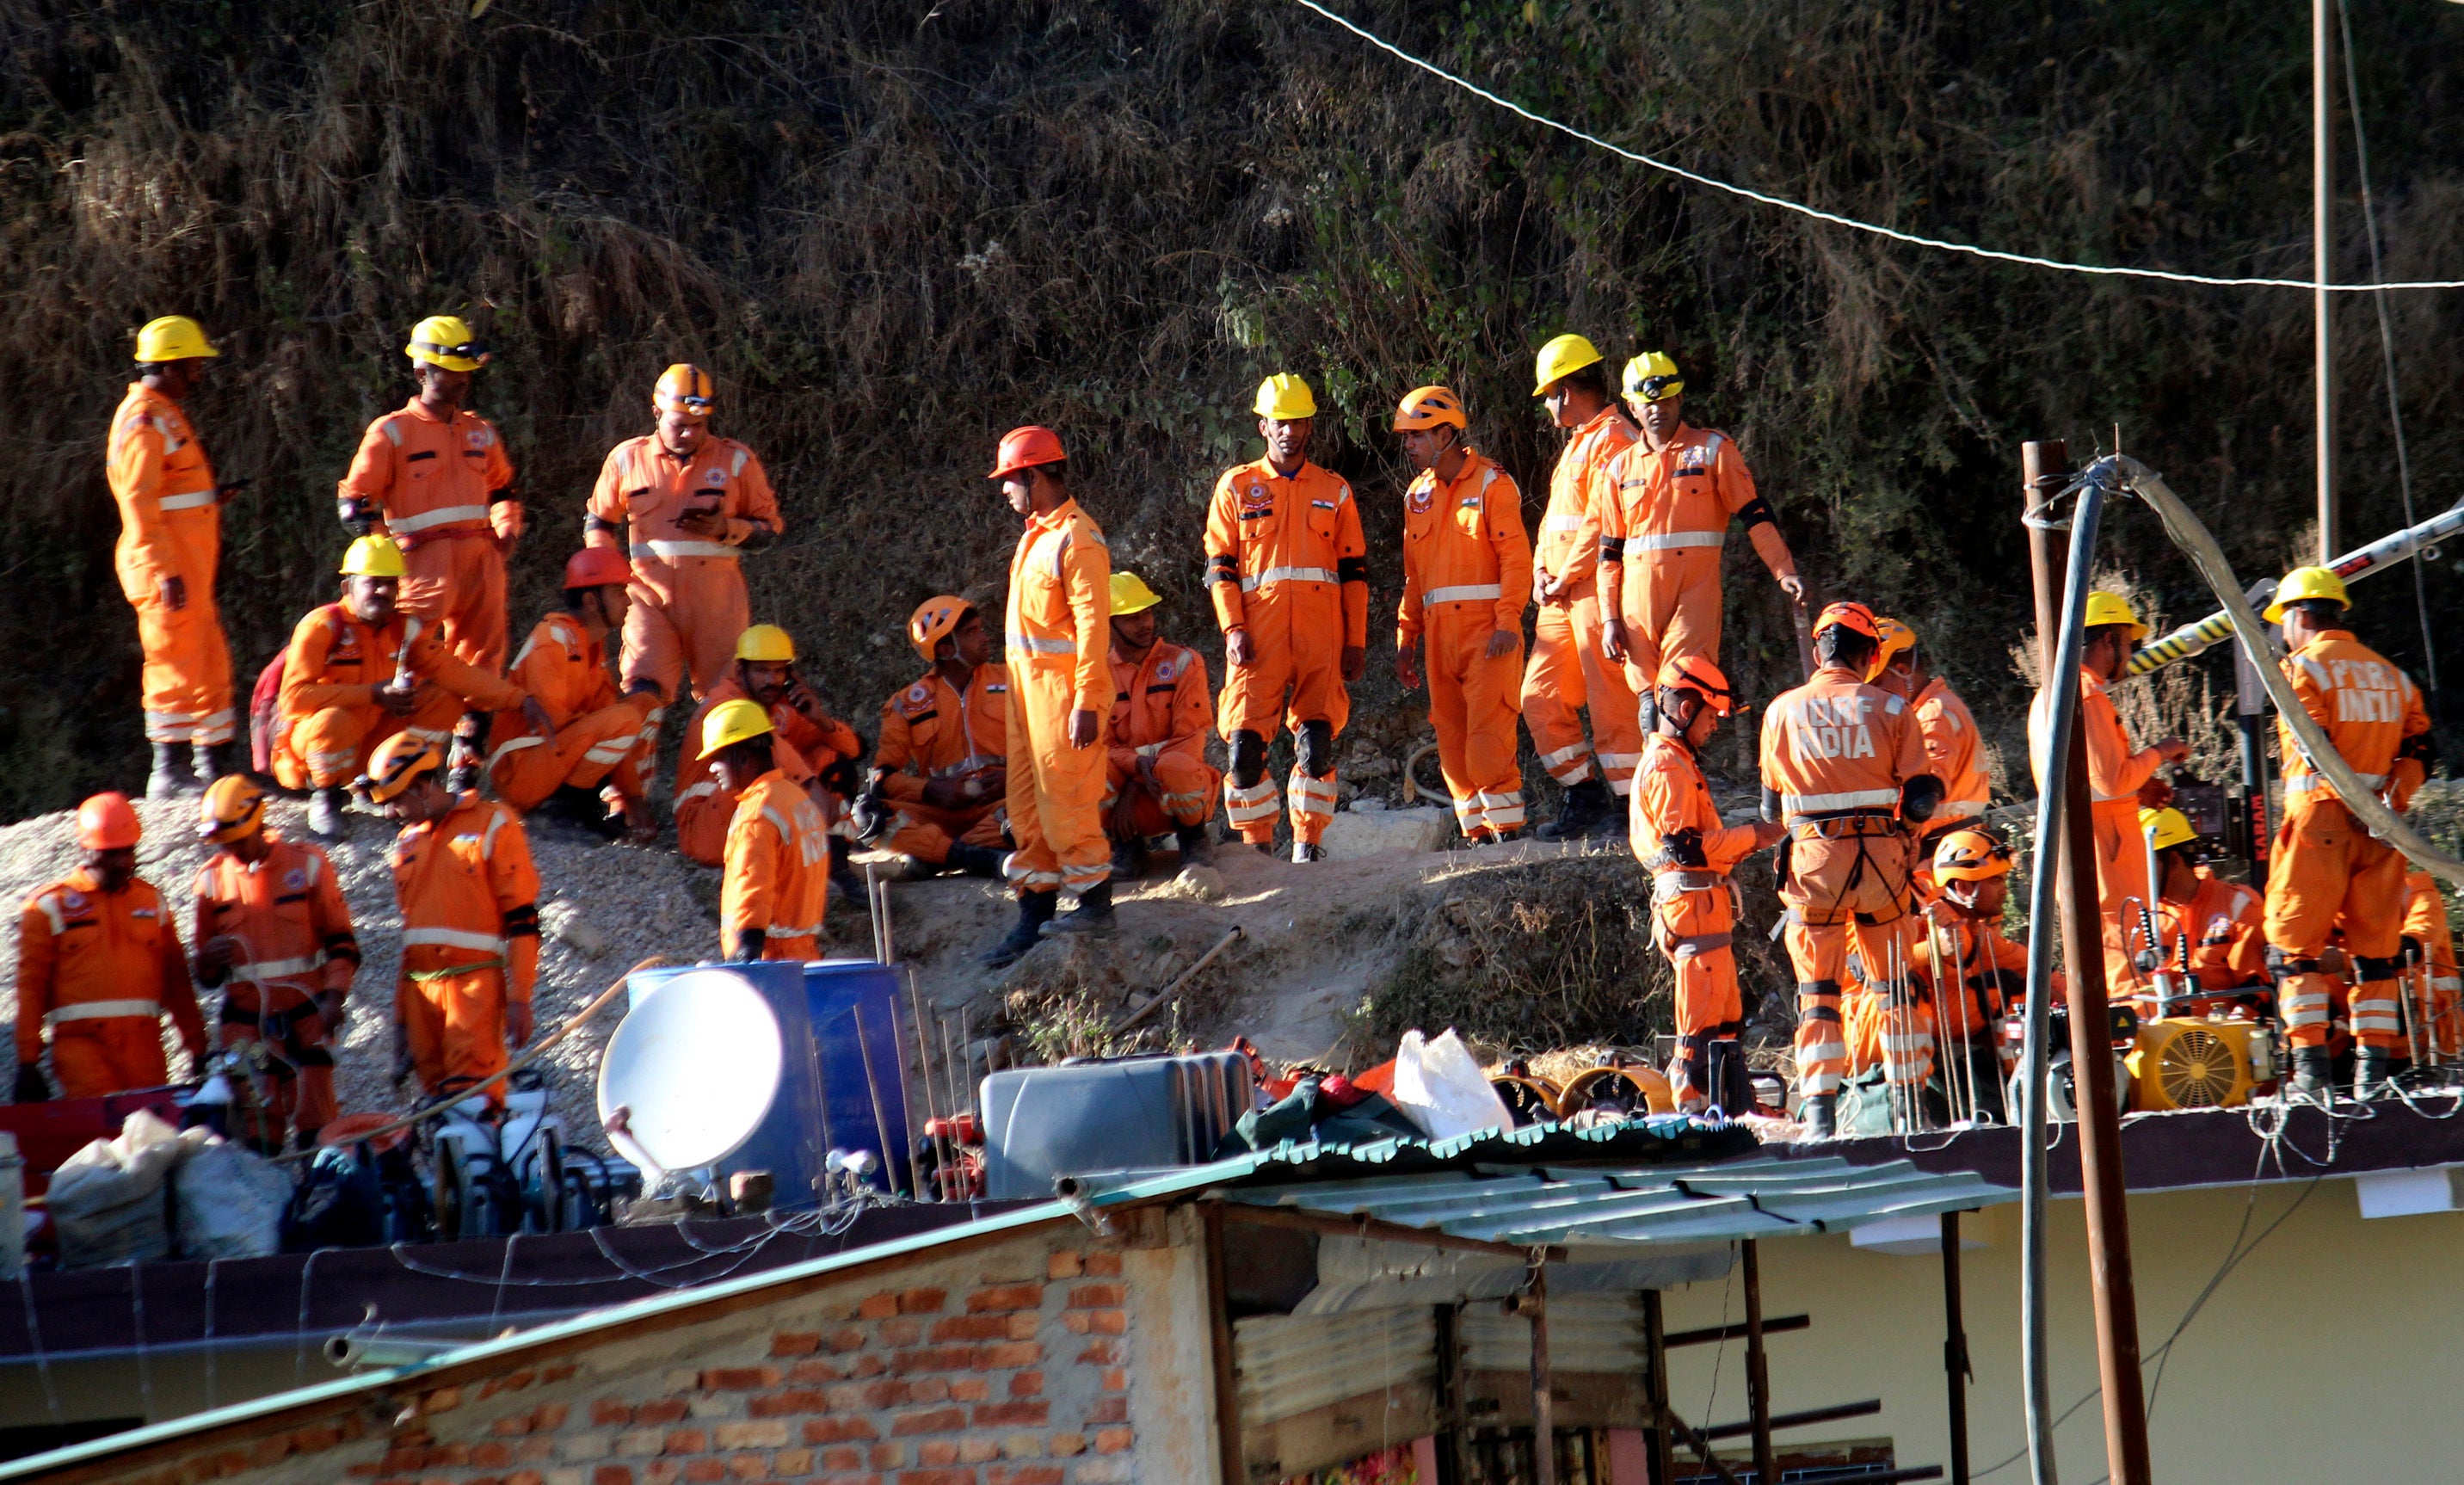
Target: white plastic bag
column 106, row 1200
column 226, row 1203
column 1440, row 1087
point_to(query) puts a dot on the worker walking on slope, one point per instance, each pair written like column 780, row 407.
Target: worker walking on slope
column 939, row 780
column 591, row 734
column 2328, row 872
column 775, row 885
column 99, row 964
column 1466, row 577
column 1969, row 973
column 815, row 750
column 1844, row 764
column 2215, row 928
column 273, row 930
column 469, row 895
column 1677, row 487
column 1155, row 774
column 1289, row 572
column 170, row 544
column 1058, row 649
column 1569, row 669
column 1680, row 838
column 359, row 673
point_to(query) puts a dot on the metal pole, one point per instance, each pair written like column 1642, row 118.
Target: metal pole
column 2250, row 707
column 1757, row 1367
column 2042, row 466
column 2322, row 257
column 1534, row 1303
column 1954, row 1348
column 1655, row 1350
column 1231, row 1467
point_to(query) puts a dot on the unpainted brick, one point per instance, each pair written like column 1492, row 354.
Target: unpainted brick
column 1007, row 1297
column 548, row 1417
column 443, row 1399
column 1103, row 1265
column 562, row 1371
column 877, row 1307
column 842, row 1458
column 929, row 1389
column 793, row 1461
column 1078, row 1322
column 641, row 1443
column 704, row 1472
column 1034, row 1413
column 1112, row 1440
column 1010, row 1354
column 740, row 1379
column 665, row 1410
column 921, row 1301
column 847, row 1338
column 1022, row 1445
column 1110, row 1323
column 1115, row 1379
column 936, row 1420
column 1024, row 1474
column 584, row 1446
column 978, row 1450
column 936, row 1451
column 1099, row 1353
column 685, row 1441
column 609, row 1412
column 1109, row 1471
column 748, row 1467
column 839, row 1430
column 971, row 1327
column 816, row 1371
column 1066, row 1444
column 1025, row 1383
column 904, row 1331
column 886, row 1457
column 611, row 1474
column 780, row 1404
column 867, row 1364
column 1096, row 1296
column 763, row 1434
column 794, row 1343
column 1108, row 1409
column 937, row 1478
column 971, row 1389
column 1063, row 1265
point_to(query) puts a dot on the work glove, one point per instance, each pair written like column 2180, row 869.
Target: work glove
column 359, row 517
column 32, row 1086
column 2411, row 954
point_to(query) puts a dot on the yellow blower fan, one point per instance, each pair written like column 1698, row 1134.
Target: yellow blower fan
column 2194, row 1063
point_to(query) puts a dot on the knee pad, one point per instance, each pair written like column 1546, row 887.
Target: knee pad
column 1248, row 758
column 1313, row 749
column 2375, row 970
column 2282, row 966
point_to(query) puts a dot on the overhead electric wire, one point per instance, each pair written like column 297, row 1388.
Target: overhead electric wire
column 1834, row 218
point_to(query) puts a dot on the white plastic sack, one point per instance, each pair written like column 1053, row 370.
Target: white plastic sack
column 227, row 1201
column 106, row 1200
column 1439, row 1087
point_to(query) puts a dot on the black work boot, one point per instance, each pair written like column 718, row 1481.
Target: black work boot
column 2310, row 1077
column 1130, row 859
column 167, row 778
column 1091, row 918
column 1197, row 845
column 2369, row 1072
column 1820, row 1114
column 1035, row 909
column 1588, row 806
column 210, row 760
column 845, row 881
column 325, row 813
column 974, row 860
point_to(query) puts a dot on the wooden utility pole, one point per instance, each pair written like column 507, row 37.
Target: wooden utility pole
column 2323, row 260
column 2092, row 1071
column 1757, row 1367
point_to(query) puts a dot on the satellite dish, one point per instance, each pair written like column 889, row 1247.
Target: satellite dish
column 696, row 1063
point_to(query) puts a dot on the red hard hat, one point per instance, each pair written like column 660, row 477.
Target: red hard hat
column 107, row 822
column 597, row 566
column 1024, row 448
column 1851, row 616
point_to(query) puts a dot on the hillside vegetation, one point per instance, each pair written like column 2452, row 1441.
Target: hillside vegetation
column 895, row 227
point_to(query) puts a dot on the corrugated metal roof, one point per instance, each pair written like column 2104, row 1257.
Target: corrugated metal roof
column 1289, row 1363
column 1587, row 1333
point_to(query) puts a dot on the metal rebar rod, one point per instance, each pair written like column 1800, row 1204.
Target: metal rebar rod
column 1757, row 1364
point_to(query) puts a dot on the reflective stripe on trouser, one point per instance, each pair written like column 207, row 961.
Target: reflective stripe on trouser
column 1568, row 675
column 1188, row 797
column 1693, row 930
column 1471, row 704
column 2327, row 874
column 526, row 771
column 457, row 584
column 185, row 682
column 108, row 1054
column 1056, row 791
column 328, row 749
column 1252, row 810
column 684, row 622
column 1833, row 885
column 926, row 834
column 1671, row 606
column 1312, row 805
column 1296, row 630
column 456, row 1026
column 1889, row 1031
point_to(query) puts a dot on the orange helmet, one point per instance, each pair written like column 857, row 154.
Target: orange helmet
column 232, row 809
column 1970, row 855
column 1855, row 617
column 1694, row 673
column 401, row 760
column 686, row 389
column 1024, row 448
column 1429, row 407
column 597, row 566
column 107, row 822
column 932, row 621
column 1896, row 638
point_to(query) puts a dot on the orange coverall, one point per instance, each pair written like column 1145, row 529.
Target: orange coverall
column 1569, row 671
column 171, row 527
column 1287, row 560
column 2114, row 775
column 776, row 877
column 294, row 943
column 2425, row 919
column 100, row 969
column 440, row 484
column 800, row 747
column 1693, row 902
column 1058, row 647
column 689, row 602
column 1660, row 539
column 2328, row 873
column 2225, row 925
column 1968, row 977
column 1837, row 750
column 328, row 723
column 933, row 731
column 470, row 938
column 597, row 734
column 1160, row 709
column 1466, row 575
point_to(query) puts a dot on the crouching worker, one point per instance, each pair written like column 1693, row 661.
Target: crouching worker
column 592, row 737
column 1971, row 973
column 941, row 771
column 776, row 882
column 469, row 895
column 1155, row 774
column 814, row 749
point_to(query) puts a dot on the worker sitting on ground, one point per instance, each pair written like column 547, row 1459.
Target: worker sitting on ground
column 2429, row 961
column 1466, row 580
column 595, row 736
column 357, row 673
column 2207, row 928
column 814, row 749
column 99, row 963
column 1973, row 975
column 1954, row 749
column 1156, row 777
column 271, row 928
column 776, row 882
column 469, row 895
column 935, row 793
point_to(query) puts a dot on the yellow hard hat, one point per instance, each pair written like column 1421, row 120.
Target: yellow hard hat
column 2303, row 584
column 1565, row 354
column 233, row 807
column 402, row 758
column 730, row 722
column 172, row 338
column 766, row 644
column 2104, row 608
column 1896, row 639
column 685, row 388
column 1429, row 407
column 446, row 341
column 1132, row 595
column 1652, row 376
column 1286, row 398
column 2169, row 826
column 373, row 556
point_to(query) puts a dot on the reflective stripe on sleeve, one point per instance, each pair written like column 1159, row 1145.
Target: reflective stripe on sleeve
column 194, row 499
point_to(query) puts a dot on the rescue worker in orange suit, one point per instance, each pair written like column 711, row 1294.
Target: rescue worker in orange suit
column 695, row 502
column 775, row 883
column 1954, row 749
column 1969, row 973
column 2115, row 773
column 592, row 736
column 99, row 963
column 357, row 673
column 1156, row 773
column 469, row 895
column 813, row 748
column 2215, row 926
column 1677, row 487
column 2429, row 954
column 1569, row 672
column 939, row 774
column 1678, row 835
column 2328, row 872
column 1058, row 645
column 273, row 930
column 1289, row 572
column 1843, row 765
column 1466, row 577
column 170, row 542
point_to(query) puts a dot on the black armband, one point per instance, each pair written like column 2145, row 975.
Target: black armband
column 1352, row 570
column 1611, row 548
column 1771, row 811
column 341, row 945
column 1223, row 567
column 1681, row 848
column 505, row 493
column 522, row 921
column 1918, row 798
column 591, row 524
column 2422, row 747
column 1756, row 511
